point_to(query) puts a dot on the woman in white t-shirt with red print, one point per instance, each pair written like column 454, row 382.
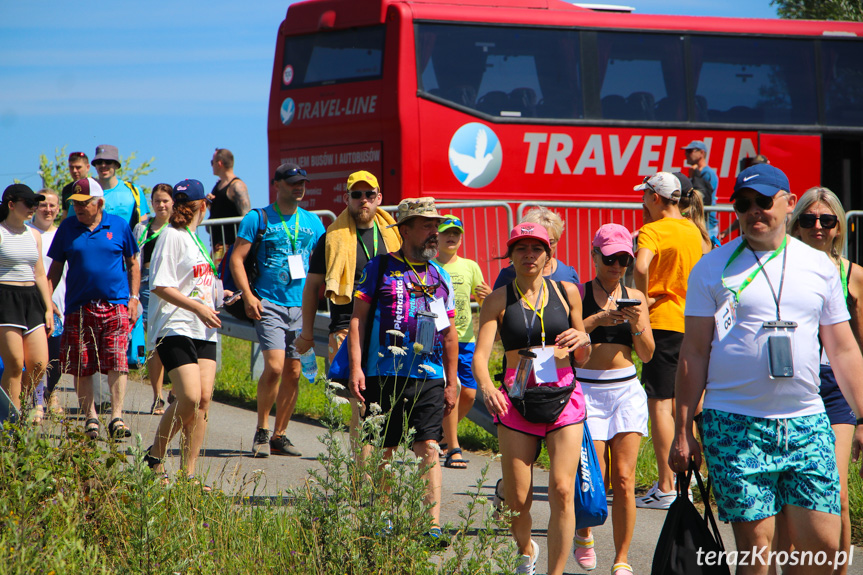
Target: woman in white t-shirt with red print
column 183, row 324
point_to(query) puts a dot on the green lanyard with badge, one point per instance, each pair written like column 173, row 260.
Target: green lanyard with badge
column 780, row 360
column 295, row 260
column 218, row 290
column 375, row 242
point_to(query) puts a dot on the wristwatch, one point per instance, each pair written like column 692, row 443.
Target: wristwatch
column 135, row 296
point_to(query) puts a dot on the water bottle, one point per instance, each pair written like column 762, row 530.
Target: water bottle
column 308, row 361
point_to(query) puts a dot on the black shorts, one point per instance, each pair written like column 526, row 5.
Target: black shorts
column 420, row 402
column 178, row 350
column 21, row 307
column 659, row 373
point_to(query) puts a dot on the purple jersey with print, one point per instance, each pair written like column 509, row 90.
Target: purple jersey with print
column 403, row 293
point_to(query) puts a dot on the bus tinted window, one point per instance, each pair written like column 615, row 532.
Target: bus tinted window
column 501, row 71
column 843, row 82
column 642, row 77
column 743, row 80
column 332, row 57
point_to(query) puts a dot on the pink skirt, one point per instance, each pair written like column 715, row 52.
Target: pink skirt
column 573, row 413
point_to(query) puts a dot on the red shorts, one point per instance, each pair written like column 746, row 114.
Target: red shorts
column 95, row 339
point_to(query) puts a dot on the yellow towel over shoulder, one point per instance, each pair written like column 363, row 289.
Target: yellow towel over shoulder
column 341, row 253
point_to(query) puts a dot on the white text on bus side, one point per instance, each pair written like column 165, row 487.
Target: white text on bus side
column 558, row 149
column 335, row 107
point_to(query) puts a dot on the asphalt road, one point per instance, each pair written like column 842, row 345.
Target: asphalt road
column 227, row 464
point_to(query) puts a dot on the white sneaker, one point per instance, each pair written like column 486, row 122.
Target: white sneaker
column 655, row 499
column 528, row 565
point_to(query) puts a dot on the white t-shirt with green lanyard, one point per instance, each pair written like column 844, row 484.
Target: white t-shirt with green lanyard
column 179, row 262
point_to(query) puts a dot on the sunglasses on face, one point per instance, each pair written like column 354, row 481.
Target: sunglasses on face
column 623, row 259
column 743, row 205
column 357, row 194
column 98, row 163
column 828, row 221
column 82, row 203
column 28, row 203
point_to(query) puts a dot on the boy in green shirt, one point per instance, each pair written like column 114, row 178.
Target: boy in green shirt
column 466, row 280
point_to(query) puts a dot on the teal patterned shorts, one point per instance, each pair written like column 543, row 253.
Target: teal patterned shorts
column 760, row 465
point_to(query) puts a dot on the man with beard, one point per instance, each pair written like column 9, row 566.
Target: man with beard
column 413, row 343
column 361, row 232
column 275, row 302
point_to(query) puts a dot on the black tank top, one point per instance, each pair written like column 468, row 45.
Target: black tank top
column 619, row 334
column 223, row 207
column 512, row 329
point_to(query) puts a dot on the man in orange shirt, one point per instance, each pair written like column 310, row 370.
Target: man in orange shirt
column 669, row 246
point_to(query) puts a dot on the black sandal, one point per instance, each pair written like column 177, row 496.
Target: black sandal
column 117, row 429
column 158, row 407
column 455, row 463
column 151, row 461
column 91, row 428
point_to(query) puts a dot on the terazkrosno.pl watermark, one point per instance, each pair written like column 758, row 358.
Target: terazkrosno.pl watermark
column 763, row 556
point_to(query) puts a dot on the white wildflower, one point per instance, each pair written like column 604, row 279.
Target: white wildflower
column 340, row 400
column 374, row 408
column 395, row 332
column 335, row 384
column 427, row 368
column 395, row 350
column 376, row 420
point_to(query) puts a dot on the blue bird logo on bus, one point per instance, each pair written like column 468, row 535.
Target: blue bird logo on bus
column 475, row 155
column 288, row 111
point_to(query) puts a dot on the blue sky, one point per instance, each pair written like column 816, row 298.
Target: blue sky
column 171, row 81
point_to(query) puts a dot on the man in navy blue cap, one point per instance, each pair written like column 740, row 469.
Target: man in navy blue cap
column 754, row 310
column 274, row 299
column 703, row 178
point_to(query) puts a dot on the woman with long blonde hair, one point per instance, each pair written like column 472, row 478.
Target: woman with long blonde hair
column 818, row 220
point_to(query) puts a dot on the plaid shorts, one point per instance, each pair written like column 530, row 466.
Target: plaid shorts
column 95, row 339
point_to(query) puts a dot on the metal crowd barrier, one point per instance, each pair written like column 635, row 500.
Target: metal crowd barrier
column 582, row 219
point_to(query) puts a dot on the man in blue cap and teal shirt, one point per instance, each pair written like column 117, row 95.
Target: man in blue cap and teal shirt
column 275, row 301
column 704, row 179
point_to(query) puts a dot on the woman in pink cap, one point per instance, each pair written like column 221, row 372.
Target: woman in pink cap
column 618, row 322
column 543, row 336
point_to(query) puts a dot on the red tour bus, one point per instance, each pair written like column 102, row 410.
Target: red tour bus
column 540, row 100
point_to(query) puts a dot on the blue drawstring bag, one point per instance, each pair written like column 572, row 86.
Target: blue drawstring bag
column 591, row 506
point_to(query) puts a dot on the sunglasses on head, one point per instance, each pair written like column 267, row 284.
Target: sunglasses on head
column 357, row 194
column 291, row 173
column 647, row 183
column 76, row 155
column 828, row 221
column 743, row 205
column 622, row 258
column 420, row 289
column 453, row 222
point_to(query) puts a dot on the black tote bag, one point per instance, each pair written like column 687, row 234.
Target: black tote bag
column 686, row 532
